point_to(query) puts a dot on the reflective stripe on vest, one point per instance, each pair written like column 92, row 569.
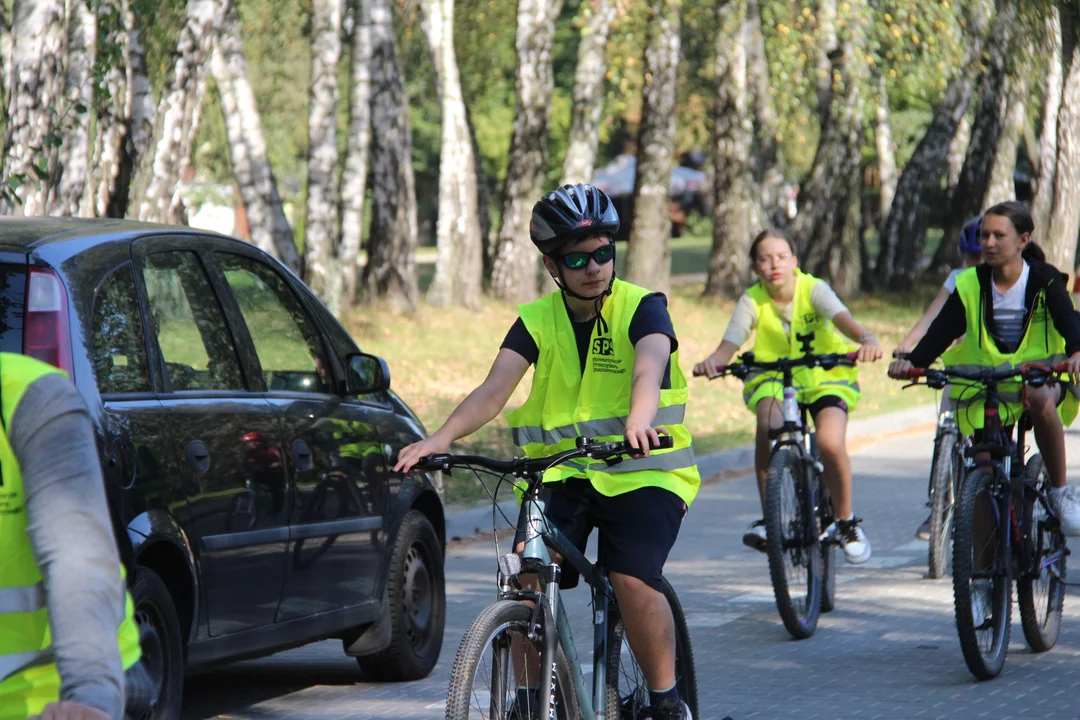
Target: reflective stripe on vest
column 1041, row 344
column 565, row 404
column 29, row 679
column 772, row 342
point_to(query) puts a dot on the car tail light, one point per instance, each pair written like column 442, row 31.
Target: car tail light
column 47, row 334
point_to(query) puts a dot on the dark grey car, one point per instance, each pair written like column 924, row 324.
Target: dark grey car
column 246, row 444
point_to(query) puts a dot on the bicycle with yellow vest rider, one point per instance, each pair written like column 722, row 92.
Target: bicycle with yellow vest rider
column 785, row 307
column 607, row 368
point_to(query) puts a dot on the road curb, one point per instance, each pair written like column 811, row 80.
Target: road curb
column 719, row 466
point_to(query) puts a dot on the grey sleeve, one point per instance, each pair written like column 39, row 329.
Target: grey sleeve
column 825, row 301
column 72, row 539
column 743, row 321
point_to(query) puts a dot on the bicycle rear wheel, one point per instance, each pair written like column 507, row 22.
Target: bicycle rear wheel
column 791, row 531
column 627, row 691
column 488, row 670
column 944, row 475
column 1040, row 592
column 982, row 589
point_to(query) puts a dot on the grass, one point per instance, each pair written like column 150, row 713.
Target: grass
column 438, row 356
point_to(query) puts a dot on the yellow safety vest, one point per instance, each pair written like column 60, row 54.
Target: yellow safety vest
column 1041, row 343
column 772, row 343
column 28, row 677
column 564, row 404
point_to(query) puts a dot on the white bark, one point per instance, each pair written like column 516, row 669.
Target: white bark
column 957, row 152
column 1047, row 159
column 1002, row 185
column 269, row 227
column 115, row 19
column 156, row 193
column 1063, row 230
column 73, row 154
column 459, row 264
column 320, row 220
column 37, row 86
column 885, row 152
column 514, row 267
column 588, row 92
column 357, row 156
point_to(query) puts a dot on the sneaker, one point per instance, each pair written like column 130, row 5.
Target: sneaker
column 754, row 537
column 923, row 533
column 679, row 711
column 853, row 541
column 1067, row 508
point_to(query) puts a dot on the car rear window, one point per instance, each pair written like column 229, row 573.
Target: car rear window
column 12, row 307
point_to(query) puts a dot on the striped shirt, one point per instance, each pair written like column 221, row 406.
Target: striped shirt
column 1009, row 311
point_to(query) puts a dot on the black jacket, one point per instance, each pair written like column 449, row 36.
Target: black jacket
column 951, row 322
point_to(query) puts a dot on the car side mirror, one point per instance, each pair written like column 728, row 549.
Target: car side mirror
column 367, row 374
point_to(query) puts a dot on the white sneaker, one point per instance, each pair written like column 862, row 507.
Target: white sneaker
column 1067, row 507
column 754, row 537
column 853, row 541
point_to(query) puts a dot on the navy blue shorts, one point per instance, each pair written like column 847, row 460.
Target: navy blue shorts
column 637, row 529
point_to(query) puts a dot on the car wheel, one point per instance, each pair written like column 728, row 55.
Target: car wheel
column 416, row 603
column 161, row 643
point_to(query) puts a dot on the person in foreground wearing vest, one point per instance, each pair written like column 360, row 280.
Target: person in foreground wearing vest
column 66, row 630
column 1012, row 309
column 607, row 367
column 783, row 305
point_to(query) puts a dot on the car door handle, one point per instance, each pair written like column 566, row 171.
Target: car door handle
column 198, row 456
column 301, row 454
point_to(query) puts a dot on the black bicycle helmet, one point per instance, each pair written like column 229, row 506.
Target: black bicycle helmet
column 570, row 213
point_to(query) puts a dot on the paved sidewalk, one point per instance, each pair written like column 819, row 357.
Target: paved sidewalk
column 889, row 650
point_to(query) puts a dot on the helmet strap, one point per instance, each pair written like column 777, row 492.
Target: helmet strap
column 597, row 299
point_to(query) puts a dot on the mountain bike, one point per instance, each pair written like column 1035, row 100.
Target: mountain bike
column 1006, row 529
column 947, row 473
column 504, row 641
column 799, row 516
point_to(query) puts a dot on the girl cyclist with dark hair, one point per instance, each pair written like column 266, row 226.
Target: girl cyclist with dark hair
column 1012, row 309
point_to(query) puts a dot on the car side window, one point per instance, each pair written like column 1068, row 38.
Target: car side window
column 285, row 339
column 189, row 324
column 119, row 350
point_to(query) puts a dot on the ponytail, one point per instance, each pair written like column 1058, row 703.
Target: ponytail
column 1032, row 252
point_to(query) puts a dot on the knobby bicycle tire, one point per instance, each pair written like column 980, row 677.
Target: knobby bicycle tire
column 789, row 510
column 944, row 481
column 1040, row 612
column 489, row 630
column 977, row 503
column 627, row 692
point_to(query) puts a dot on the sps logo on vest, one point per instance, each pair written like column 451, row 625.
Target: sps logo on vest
column 603, row 346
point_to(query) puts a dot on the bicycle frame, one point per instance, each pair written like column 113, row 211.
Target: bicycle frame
column 539, row 535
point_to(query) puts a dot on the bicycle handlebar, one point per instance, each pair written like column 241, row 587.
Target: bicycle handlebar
column 586, row 447
column 1026, row 371
column 747, row 362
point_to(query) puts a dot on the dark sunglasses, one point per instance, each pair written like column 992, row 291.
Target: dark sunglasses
column 578, row 260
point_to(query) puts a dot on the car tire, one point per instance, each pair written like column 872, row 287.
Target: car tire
column 162, row 645
column 416, row 603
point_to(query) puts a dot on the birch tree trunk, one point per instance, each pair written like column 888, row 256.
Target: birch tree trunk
column 390, row 273
column 37, row 86
column 824, row 199
column 74, row 152
column 459, row 264
column 1065, row 225
column 321, row 216
column 588, row 92
column 113, row 109
column 827, row 42
column 903, row 237
column 515, row 261
column 1047, row 160
column 886, row 153
column 648, row 256
column 1002, row 185
column 255, row 180
column 732, row 135
column 156, row 186
column 767, row 168
column 957, row 152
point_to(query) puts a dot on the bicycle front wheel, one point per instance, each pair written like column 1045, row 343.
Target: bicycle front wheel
column 791, row 532
column 1040, row 592
column 943, row 482
column 495, row 657
column 627, row 691
column 982, row 589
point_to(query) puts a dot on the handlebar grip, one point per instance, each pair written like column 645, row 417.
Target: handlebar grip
column 431, row 462
column 1061, row 368
column 853, row 355
column 664, row 442
column 914, row 373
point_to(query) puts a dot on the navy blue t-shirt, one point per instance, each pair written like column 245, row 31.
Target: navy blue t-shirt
column 651, row 317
